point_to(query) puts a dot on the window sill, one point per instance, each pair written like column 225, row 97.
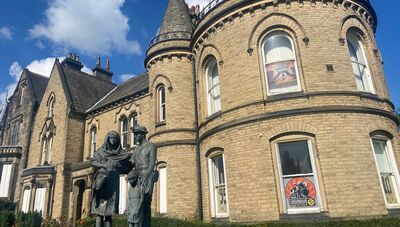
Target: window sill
column 280, row 96
column 159, row 124
column 309, row 216
column 214, row 115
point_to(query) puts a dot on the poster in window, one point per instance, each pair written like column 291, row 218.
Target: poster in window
column 281, row 75
column 300, row 192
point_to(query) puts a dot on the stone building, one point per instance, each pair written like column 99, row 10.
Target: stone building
column 16, row 121
column 261, row 110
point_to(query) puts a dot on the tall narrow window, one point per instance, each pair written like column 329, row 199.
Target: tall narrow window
column 44, row 151
column 387, row 169
column 162, row 108
column 124, row 132
column 93, row 135
column 123, row 194
column 39, row 200
column 5, row 180
column 280, row 64
column 49, row 149
column 50, row 105
column 299, row 183
column 26, row 199
column 163, row 190
column 359, row 63
column 133, row 123
column 213, row 91
column 15, row 132
column 218, row 191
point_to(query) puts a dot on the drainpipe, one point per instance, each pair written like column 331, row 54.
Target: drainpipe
column 198, row 156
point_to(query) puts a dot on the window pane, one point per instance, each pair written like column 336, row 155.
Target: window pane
column 163, row 190
column 214, row 98
column 381, row 156
column 295, row 158
column 26, row 200
column 278, row 48
column 5, row 180
column 219, row 189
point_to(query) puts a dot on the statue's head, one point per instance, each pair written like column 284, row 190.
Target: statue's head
column 113, row 139
column 140, row 133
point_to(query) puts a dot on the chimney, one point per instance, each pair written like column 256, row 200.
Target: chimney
column 103, row 74
column 72, row 61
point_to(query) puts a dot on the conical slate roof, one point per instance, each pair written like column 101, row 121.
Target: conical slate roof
column 176, row 18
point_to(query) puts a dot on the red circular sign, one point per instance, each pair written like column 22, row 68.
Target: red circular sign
column 300, row 187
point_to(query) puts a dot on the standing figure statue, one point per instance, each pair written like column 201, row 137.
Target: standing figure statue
column 111, row 161
column 141, row 179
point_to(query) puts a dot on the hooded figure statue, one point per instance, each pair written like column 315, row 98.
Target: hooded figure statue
column 111, row 161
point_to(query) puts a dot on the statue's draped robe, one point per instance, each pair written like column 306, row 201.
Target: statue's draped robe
column 105, row 196
column 141, row 180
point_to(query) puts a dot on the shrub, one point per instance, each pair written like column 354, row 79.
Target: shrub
column 6, row 205
column 7, row 218
column 32, row 219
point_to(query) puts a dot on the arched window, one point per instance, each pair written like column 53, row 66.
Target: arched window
column 124, row 132
column 280, row 63
column 359, row 62
column 133, row 123
column 161, row 107
column 213, row 91
column 387, row 169
column 93, row 135
column 50, row 105
column 217, row 181
column 47, row 147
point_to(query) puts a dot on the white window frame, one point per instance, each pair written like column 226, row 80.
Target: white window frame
column 40, row 198
column 93, row 137
column 264, row 40
column 5, row 179
column 213, row 195
column 163, row 196
column 162, row 108
column 395, row 170
column 123, row 194
column 49, row 148
column 353, row 35
column 315, row 175
column 26, row 200
column 211, row 102
column 133, row 122
column 124, row 119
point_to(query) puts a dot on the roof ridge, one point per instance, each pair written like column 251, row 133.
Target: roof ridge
column 88, row 110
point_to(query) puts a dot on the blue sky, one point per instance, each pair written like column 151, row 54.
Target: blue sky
column 33, row 33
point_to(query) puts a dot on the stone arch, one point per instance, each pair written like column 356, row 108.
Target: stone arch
column 126, row 110
column 213, row 150
column 379, row 126
column 207, row 51
column 354, row 22
column 161, row 79
column 290, row 128
column 275, row 20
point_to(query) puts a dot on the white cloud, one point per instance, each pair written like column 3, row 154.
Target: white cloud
column 93, row 27
column 202, row 3
column 125, row 77
column 15, row 71
column 5, row 33
column 40, row 45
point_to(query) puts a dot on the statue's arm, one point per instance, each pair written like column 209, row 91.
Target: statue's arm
column 96, row 161
column 153, row 158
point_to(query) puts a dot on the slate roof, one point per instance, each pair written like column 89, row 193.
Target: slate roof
column 38, row 83
column 176, row 18
column 136, row 85
column 84, row 90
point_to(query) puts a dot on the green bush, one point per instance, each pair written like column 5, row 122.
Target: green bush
column 120, row 221
column 7, row 218
column 32, row 219
column 6, row 205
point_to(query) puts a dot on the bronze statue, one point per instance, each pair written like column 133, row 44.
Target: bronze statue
column 111, row 161
column 141, row 179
